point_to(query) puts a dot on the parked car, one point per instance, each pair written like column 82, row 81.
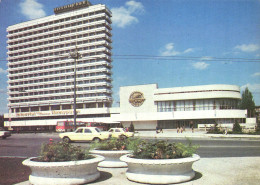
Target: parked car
column 85, row 134
column 4, row 134
column 116, row 132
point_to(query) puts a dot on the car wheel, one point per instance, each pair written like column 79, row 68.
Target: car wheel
column 3, row 137
column 66, row 140
column 96, row 139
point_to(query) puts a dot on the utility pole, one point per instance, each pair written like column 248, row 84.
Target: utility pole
column 75, row 55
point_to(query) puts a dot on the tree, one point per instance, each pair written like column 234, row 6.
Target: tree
column 236, row 127
column 1, row 120
column 247, row 102
column 132, row 128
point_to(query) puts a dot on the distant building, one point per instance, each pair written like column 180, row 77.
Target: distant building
column 147, row 106
column 41, row 74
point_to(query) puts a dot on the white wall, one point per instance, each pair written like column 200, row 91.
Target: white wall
column 142, row 125
column 197, row 92
column 147, row 106
column 180, row 115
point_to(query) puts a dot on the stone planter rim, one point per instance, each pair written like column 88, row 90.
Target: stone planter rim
column 128, row 159
column 110, row 151
column 29, row 162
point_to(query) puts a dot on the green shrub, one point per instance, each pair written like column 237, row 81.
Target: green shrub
column 215, row 130
column 131, row 128
column 237, row 128
column 111, row 144
column 61, row 151
column 162, row 150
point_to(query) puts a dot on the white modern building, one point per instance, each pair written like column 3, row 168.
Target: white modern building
column 147, row 106
column 41, row 80
column 41, row 71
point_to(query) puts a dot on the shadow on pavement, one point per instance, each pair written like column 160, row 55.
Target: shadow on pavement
column 103, row 177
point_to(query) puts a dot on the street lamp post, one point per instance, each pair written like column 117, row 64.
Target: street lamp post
column 75, row 55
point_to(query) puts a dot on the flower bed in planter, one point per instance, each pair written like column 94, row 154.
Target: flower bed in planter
column 63, row 163
column 112, row 150
column 160, row 162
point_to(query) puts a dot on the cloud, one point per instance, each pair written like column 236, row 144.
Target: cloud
column 169, row 50
column 200, row 65
column 251, row 87
column 2, row 71
column 248, row 48
column 124, row 15
column 256, row 74
column 32, row 9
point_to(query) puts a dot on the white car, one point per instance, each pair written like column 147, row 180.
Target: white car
column 4, row 134
column 85, row 134
column 116, row 132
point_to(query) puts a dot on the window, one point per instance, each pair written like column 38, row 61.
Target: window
column 79, row 130
column 88, row 131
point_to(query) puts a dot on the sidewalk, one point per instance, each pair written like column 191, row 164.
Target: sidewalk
column 213, row 171
column 172, row 133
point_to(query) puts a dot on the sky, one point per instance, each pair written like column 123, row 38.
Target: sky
column 172, row 43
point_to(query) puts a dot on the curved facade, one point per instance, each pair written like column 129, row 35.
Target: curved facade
column 189, row 106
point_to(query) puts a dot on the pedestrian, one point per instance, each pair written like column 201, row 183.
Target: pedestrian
column 178, row 129
column 192, row 128
column 181, row 129
column 157, row 130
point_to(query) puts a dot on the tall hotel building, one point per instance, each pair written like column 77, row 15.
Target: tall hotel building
column 41, row 71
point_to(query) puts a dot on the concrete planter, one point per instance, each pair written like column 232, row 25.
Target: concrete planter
column 71, row 172
column 111, row 158
column 160, row 171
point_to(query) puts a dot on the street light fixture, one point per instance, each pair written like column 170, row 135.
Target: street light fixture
column 75, row 55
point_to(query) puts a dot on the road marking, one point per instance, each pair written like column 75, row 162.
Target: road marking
column 229, row 146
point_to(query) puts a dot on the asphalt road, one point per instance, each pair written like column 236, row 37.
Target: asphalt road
column 28, row 145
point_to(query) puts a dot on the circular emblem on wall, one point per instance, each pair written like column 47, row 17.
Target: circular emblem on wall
column 136, row 99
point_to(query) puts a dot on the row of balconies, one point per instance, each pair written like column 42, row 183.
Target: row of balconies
column 55, row 26
column 87, row 61
column 56, row 91
column 56, row 57
column 55, row 19
column 65, row 75
column 30, row 60
column 61, row 95
column 58, row 37
column 57, row 33
column 62, row 64
column 66, row 84
column 97, row 98
column 51, row 47
column 90, row 81
column 56, row 67
column 57, row 41
column 52, row 77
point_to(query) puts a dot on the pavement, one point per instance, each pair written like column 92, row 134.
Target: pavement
column 209, row 171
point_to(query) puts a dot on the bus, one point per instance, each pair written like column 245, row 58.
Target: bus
column 68, row 126
column 101, row 126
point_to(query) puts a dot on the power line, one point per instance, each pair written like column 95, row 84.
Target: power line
column 178, row 58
